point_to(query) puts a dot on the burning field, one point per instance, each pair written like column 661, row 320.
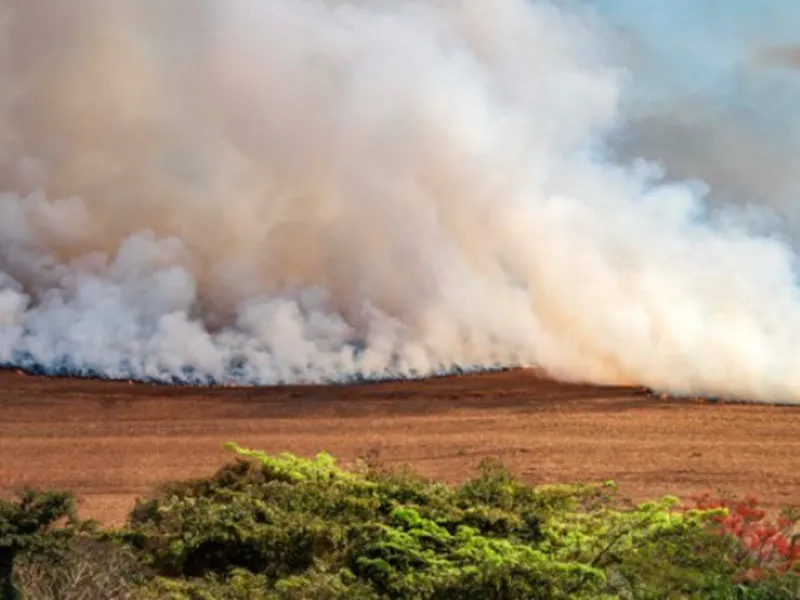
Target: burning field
column 113, row 442
column 274, row 222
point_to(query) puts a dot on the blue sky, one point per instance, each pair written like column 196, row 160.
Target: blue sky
column 705, row 42
column 707, row 49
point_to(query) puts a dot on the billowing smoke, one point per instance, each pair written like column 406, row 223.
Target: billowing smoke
column 785, row 55
column 267, row 191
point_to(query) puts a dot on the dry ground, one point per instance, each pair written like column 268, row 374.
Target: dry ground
column 111, row 442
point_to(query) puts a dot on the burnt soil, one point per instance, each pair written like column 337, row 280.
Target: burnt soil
column 111, row 442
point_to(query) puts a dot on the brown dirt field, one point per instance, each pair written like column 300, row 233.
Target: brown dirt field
column 111, row 442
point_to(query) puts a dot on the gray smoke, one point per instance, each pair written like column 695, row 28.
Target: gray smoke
column 269, row 191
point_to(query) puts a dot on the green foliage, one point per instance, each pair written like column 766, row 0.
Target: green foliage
column 40, row 523
column 282, row 527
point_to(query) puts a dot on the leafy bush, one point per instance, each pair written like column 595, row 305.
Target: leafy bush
column 764, row 555
column 282, row 527
column 37, row 523
column 765, row 547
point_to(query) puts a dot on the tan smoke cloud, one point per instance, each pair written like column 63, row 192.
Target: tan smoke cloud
column 785, row 55
column 259, row 192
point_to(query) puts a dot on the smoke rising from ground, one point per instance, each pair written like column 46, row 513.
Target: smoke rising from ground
column 279, row 191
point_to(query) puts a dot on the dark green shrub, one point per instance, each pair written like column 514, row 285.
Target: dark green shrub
column 40, row 523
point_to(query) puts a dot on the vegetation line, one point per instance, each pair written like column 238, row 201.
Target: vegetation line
column 280, row 527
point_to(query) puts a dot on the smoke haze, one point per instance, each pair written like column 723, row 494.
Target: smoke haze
column 274, row 191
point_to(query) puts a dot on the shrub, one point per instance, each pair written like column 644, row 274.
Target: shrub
column 37, row 523
column 293, row 523
column 763, row 555
column 92, row 569
column 284, row 528
column 764, row 547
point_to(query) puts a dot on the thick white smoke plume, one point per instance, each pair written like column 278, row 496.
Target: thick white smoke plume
column 267, row 191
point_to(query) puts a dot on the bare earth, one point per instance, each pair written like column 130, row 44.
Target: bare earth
column 113, row 442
